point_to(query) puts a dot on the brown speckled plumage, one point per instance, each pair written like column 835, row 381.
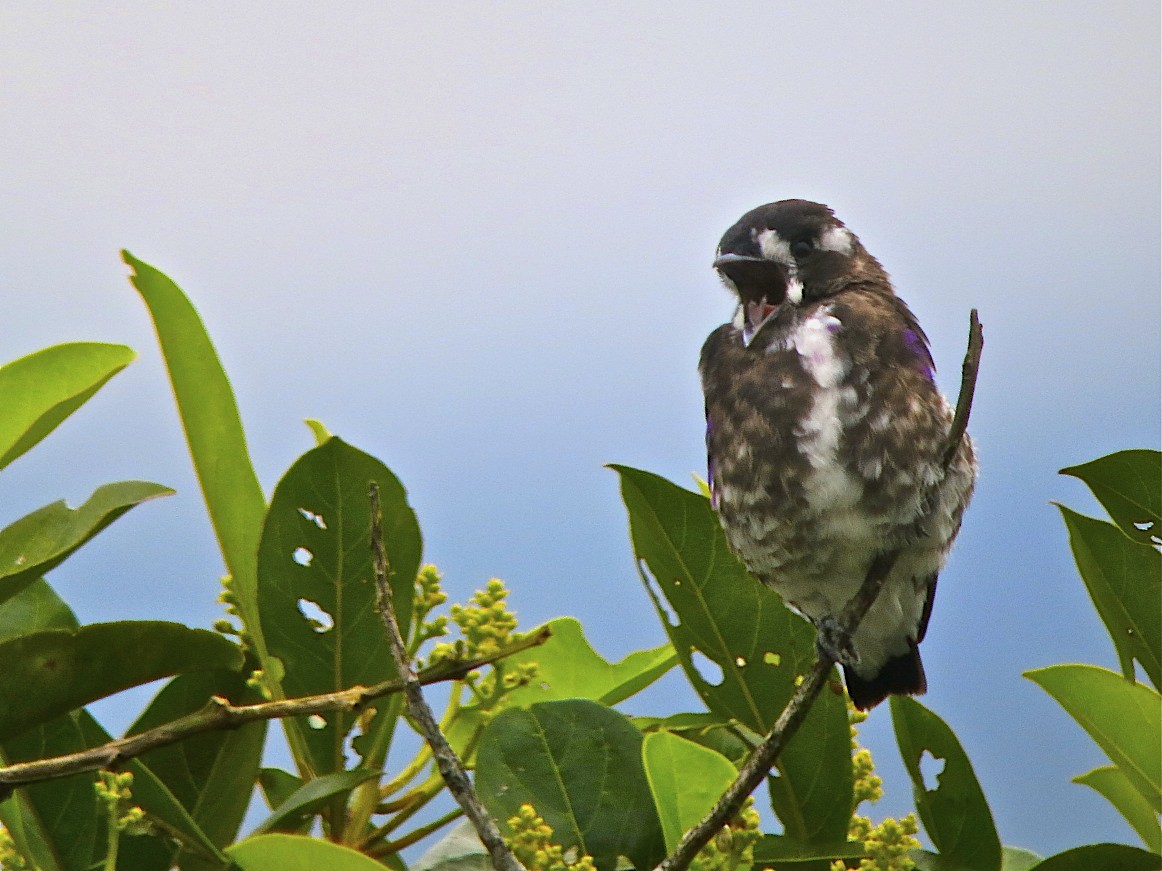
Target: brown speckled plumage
column 825, row 429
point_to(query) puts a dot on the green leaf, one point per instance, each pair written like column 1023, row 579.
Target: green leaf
column 152, row 795
column 686, row 781
column 40, row 541
column 1012, row 859
column 1117, row 789
column 213, row 431
column 212, row 774
column 743, row 628
column 72, row 668
column 312, row 797
column 1099, row 857
column 780, row 851
column 277, row 785
column 297, row 853
column 316, row 589
column 955, row 813
column 579, row 764
column 1124, row 580
column 318, row 430
column 568, row 668
column 58, row 820
column 33, row 609
column 39, row 391
column 1125, row 719
column 1129, row 486
column 1018, row 859
column 705, row 729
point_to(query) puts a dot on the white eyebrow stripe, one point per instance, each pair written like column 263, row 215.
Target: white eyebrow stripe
column 837, row 239
column 775, row 247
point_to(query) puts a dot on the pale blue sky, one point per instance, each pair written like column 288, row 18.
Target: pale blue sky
column 475, row 239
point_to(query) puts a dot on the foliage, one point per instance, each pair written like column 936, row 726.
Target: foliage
column 579, row 784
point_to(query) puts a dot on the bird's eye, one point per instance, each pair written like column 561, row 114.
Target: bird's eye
column 802, row 248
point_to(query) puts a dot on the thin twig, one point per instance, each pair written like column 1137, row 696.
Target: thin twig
column 763, row 757
column 218, row 713
column 451, row 768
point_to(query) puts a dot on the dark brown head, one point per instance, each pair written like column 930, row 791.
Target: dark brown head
column 790, row 253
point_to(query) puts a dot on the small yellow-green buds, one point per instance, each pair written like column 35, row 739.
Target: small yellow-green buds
column 887, row 844
column 10, row 858
column 532, row 844
column 486, row 624
column 115, row 790
column 733, row 845
column 428, row 592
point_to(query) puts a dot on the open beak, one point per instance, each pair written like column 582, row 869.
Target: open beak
column 751, row 273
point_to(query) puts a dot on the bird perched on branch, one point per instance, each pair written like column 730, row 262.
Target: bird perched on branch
column 825, row 432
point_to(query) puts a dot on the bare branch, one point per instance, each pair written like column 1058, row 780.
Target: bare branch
column 218, row 713
column 763, row 756
column 451, row 768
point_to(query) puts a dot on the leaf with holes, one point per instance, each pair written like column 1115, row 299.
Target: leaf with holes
column 686, row 780
column 72, row 668
column 39, row 391
column 729, row 623
column 951, row 803
column 1129, row 486
column 316, row 591
column 1124, row 579
column 40, row 541
column 1124, row 718
column 579, row 764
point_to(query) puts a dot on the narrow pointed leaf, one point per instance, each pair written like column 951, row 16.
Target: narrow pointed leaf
column 1124, row 718
column 213, row 431
column 1124, row 579
column 39, row 391
column 1129, row 485
column 579, row 764
column 316, row 590
column 35, row 608
column 312, row 797
column 1102, row 857
column 297, row 853
column 741, row 648
column 40, row 541
column 686, row 781
column 1117, row 789
column 72, row 668
column 954, row 811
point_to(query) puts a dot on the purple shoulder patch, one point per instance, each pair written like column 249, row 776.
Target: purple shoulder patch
column 922, row 357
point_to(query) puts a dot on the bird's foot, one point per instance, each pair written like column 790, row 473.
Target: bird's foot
column 834, row 643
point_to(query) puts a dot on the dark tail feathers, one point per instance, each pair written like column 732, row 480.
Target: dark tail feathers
column 900, row 676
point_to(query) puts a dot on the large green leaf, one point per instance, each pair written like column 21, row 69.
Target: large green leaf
column 954, row 812
column 1124, row 718
column 42, row 540
column 1012, row 859
column 1116, row 787
column 1124, row 580
column 782, row 852
column 1102, row 857
column 213, row 774
column 686, row 780
column 579, row 764
column 39, row 391
column 723, row 614
column 72, row 668
column 1129, row 485
column 56, row 822
column 297, row 853
column 316, row 590
column 213, row 430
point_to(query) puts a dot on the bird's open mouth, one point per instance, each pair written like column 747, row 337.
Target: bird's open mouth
column 756, row 314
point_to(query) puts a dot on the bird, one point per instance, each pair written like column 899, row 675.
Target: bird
column 825, row 431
